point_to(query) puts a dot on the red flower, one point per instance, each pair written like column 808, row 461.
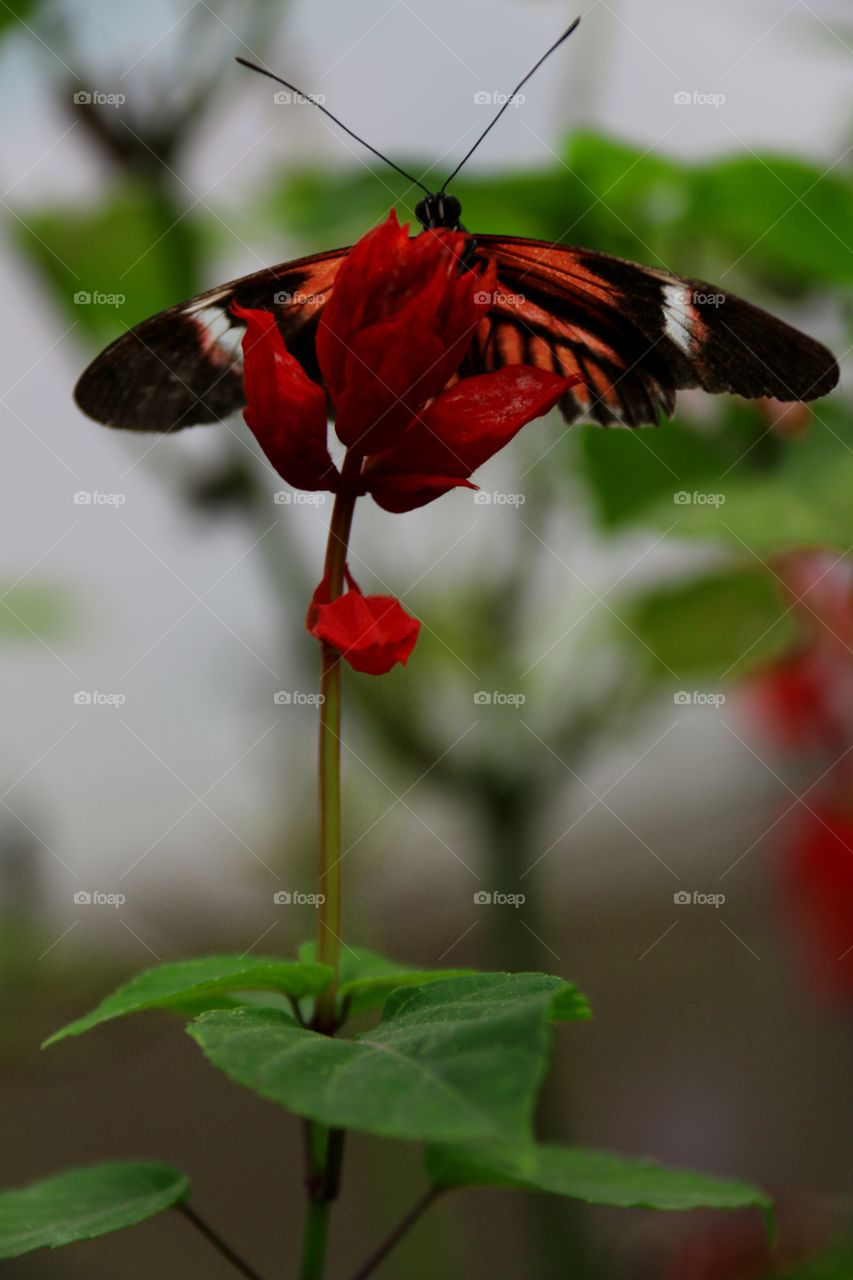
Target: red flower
column 395, row 330
column 798, row 698
column 821, row 889
column 373, row 633
column 400, row 319
column 458, row 432
column 285, row 410
column 807, row 696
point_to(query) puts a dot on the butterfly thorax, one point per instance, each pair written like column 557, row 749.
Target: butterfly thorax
column 439, row 210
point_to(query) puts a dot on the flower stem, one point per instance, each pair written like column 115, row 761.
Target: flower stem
column 324, row 1148
column 329, row 863
column 315, row 1240
column 218, row 1243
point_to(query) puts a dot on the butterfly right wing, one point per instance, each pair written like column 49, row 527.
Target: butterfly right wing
column 635, row 335
column 185, row 365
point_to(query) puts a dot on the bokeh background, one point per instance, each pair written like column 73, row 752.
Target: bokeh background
column 661, row 621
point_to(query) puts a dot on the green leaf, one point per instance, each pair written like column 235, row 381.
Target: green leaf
column 84, row 1203
column 112, row 265
column 804, row 503
column 13, row 15
column 790, row 218
column 191, row 986
column 835, row 1264
column 367, row 978
column 456, row 1059
column 33, row 611
column 628, row 472
column 715, row 626
column 595, row 1177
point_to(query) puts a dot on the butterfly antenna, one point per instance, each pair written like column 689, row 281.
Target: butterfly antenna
column 315, row 102
column 509, row 99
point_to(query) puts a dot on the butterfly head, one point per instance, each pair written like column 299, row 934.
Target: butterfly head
column 439, row 210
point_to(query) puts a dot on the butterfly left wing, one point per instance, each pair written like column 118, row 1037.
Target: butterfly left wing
column 185, row 365
column 635, row 335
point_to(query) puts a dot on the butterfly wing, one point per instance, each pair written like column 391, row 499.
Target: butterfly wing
column 635, row 335
column 185, row 365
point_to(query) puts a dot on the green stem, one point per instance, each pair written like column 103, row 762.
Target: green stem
column 324, row 1148
column 315, row 1240
column 329, row 863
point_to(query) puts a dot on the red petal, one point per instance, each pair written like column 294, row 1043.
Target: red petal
column 372, row 633
column 344, row 311
column 460, row 431
column 285, row 410
column 397, row 326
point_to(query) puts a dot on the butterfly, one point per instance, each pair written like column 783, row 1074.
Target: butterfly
column 630, row 335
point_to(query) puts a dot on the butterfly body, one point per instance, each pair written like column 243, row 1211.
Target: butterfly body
column 633, row 335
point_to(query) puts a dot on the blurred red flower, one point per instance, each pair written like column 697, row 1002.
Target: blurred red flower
column 806, row 700
column 820, row 880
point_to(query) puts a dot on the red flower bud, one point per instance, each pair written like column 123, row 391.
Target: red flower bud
column 372, row 633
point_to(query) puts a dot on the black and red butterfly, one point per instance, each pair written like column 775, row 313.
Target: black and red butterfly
column 634, row 335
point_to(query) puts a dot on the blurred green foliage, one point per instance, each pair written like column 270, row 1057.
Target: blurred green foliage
column 34, row 611
column 787, row 219
column 713, row 626
column 117, row 248
column 14, row 12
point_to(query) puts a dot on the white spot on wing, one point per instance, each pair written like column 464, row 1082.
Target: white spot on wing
column 678, row 315
column 222, row 336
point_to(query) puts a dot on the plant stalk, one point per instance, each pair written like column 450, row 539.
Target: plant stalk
column 315, row 1239
column 324, row 1149
column 218, row 1243
column 329, row 862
